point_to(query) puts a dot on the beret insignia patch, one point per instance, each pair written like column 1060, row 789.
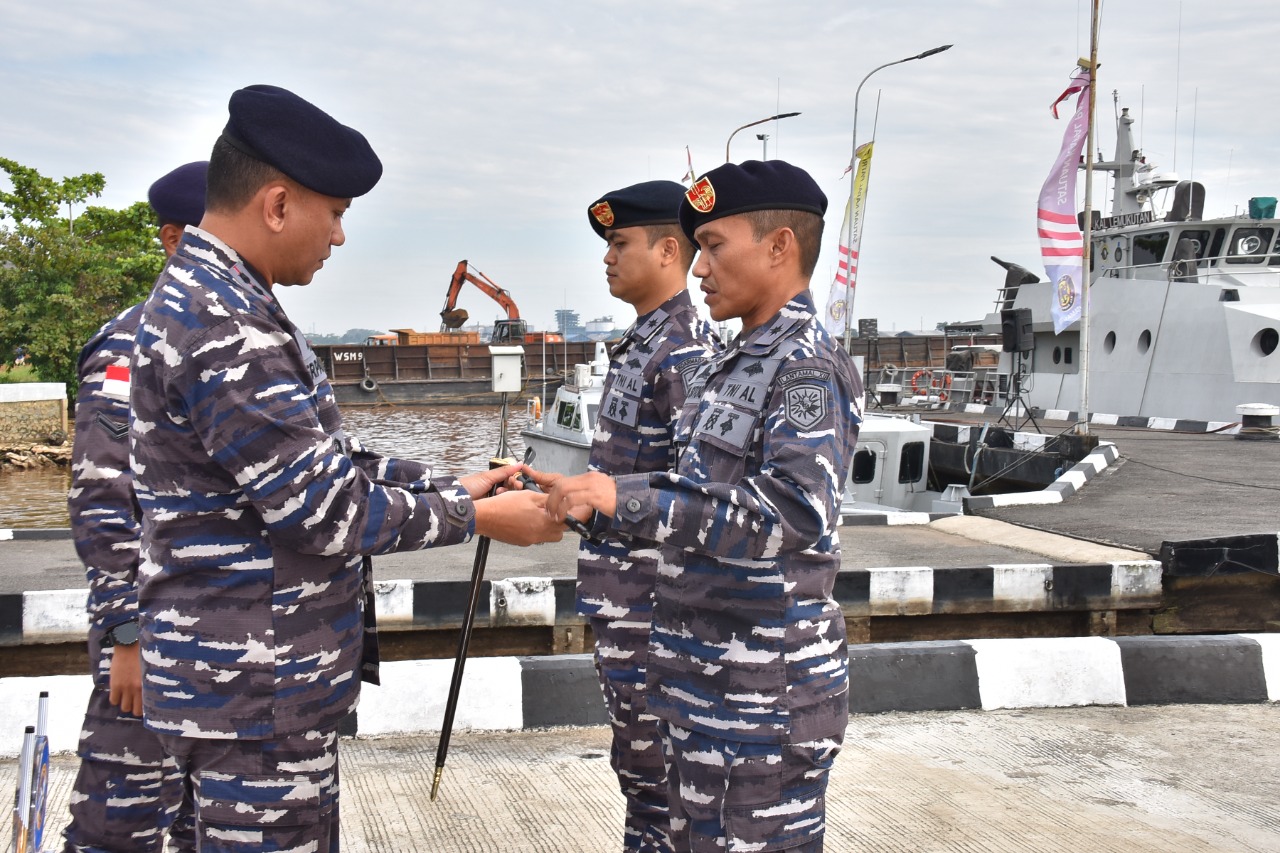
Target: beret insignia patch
column 702, row 196
column 603, row 213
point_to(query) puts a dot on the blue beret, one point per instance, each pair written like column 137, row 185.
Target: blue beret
column 649, row 203
column 295, row 136
column 754, row 185
column 178, row 197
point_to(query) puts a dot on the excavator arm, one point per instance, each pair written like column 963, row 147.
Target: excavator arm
column 453, row 317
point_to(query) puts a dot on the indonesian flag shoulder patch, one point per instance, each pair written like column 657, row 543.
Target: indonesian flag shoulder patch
column 115, row 384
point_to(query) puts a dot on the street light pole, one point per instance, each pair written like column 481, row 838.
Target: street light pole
column 764, row 139
column 848, row 237
column 753, row 124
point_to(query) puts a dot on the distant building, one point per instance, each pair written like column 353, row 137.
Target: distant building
column 600, row 329
column 570, row 325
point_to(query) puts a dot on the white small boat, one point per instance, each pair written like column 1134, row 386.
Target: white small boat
column 889, row 473
column 561, row 438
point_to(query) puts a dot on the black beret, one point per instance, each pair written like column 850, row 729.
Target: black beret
column 649, row 203
column 282, row 130
column 754, row 185
column 178, row 197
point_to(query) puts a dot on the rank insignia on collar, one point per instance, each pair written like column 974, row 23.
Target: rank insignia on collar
column 702, row 196
column 603, row 213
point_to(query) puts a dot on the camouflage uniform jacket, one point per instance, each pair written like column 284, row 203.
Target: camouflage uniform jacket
column 255, row 509
column 747, row 642
column 642, row 397
column 104, row 513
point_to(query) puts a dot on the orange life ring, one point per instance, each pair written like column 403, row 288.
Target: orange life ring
column 916, row 386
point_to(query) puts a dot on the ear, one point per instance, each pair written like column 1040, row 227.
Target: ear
column 170, row 236
column 275, row 199
column 782, row 245
column 668, row 251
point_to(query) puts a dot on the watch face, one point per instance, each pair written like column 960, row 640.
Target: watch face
column 124, row 634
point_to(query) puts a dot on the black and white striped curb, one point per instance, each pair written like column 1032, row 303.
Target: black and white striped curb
column 515, row 693
column 1100, row 418
column 58, row 616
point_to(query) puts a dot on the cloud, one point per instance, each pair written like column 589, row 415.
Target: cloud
column 499, row 121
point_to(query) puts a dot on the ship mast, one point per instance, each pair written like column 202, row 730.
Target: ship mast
column 1086, row 272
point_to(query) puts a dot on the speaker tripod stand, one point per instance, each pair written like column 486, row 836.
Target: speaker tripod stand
column 1016, row 398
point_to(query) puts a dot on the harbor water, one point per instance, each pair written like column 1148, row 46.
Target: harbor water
column 455, row 439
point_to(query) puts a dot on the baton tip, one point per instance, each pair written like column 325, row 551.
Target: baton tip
column 435, row 783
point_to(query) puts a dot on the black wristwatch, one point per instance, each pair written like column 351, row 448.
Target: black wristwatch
column 124, row 634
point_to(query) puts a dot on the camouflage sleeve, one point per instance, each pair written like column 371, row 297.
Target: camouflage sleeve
column 104, row 513
column 416, row 475
column 779, row 497
column 248, row 395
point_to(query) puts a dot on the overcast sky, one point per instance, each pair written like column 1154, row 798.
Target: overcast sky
column 498, row 122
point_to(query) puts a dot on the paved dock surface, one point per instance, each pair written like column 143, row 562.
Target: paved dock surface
column 1158, row 779
column 32, row 564
column 1166, row 486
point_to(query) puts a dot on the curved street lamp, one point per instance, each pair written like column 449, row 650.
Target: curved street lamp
column 848, row 237
column 753, row 124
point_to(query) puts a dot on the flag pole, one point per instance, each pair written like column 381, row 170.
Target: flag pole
column 1086, row 260
column 848, row 288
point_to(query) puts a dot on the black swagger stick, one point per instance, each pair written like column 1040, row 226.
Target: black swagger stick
column 468, row 622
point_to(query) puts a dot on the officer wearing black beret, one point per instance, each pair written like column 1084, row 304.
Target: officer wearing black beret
column 747, row 670
column 254, row 600
column 120, row 761
column 647, row 265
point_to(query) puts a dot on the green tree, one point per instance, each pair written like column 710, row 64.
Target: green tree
column 61, row 275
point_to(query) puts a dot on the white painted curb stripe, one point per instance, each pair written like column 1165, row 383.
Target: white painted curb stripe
column 1270, row 662
column 1049, row 673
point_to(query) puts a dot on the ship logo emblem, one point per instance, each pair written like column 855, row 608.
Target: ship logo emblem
column 1066, row 293
column 603, row 213
column 702, row 196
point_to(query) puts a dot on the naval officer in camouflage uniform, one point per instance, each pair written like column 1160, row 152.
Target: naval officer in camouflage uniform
column 256, row 505
column 647, row 266
column 127, row 792
column 747, row 661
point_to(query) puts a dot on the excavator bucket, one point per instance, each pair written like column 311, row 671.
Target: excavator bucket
column 455, row 318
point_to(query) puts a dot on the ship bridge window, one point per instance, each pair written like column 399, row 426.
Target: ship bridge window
column 567, row 416
column 911, row 466
column 1249, row 245
column 1149, row 249
column 1200, row 241
column 592, row 409
column 1215, row 248
column 864, row 466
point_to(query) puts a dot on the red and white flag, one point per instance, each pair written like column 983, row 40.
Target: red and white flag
column 689, row 175
column 1061, row 243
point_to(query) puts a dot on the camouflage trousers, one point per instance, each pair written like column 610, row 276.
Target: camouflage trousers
column 731, row 797
column 263, row 795
column 128, row 793
column 621, row 651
